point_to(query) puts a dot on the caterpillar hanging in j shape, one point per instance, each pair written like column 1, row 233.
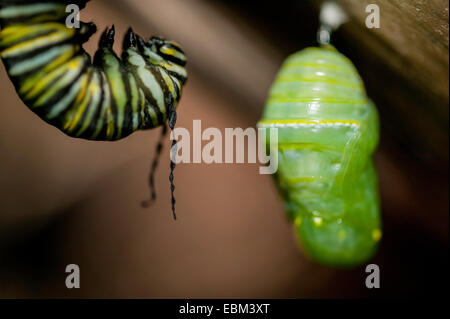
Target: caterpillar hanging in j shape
column 104, row 100
column 327, row 133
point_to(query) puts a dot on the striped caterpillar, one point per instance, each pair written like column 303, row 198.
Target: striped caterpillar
column 107, row 99
column 327, row 133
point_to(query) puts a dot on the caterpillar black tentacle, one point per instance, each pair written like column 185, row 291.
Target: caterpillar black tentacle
column 151, row 177
column 107, row 99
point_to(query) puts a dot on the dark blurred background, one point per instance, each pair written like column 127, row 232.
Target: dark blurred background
column 64, row 200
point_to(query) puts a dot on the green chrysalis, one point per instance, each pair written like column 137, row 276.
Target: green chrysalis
column 327, row 133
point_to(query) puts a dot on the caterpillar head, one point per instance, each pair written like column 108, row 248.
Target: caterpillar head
column 159, row 52
column 156, row 49
column 169, row 50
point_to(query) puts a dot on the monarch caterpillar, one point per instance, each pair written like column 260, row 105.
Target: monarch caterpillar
column 104, row 100
column 327, row 132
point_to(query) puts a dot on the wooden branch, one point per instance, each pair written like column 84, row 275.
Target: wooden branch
column 412, row 38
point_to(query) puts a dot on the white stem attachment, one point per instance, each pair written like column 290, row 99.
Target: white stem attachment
column 332, row 16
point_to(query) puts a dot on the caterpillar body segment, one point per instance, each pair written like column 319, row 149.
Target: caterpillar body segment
column 104, row 100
